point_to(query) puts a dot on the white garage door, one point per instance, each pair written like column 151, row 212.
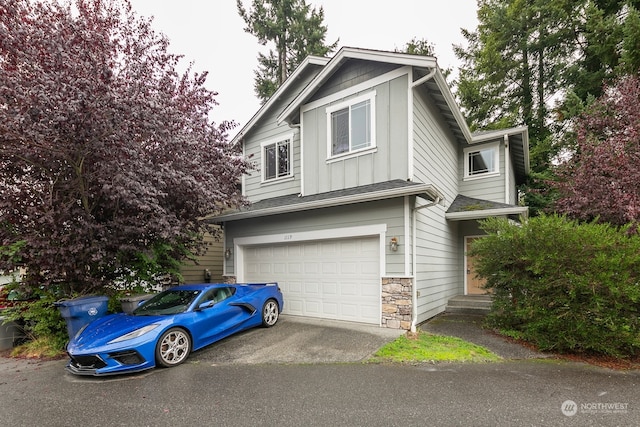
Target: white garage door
column 330, row 279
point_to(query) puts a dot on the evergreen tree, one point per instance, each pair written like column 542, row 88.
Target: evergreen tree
column 294, row 28
column 540, row 63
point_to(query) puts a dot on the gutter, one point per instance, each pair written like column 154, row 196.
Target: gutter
column 485, row 213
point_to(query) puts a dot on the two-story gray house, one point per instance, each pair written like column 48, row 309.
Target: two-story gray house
column 367, row 189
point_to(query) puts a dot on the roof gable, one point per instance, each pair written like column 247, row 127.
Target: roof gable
column 427, row 72
column 311, row 64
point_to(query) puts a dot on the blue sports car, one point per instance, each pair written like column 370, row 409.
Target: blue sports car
column 163, row 330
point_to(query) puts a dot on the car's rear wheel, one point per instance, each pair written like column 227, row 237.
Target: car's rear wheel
column 173, row 347
column 270, row 313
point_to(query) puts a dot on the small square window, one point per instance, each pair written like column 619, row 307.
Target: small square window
column 482, row 161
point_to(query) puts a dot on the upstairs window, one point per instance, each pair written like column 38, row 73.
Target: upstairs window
column 276, row 159
column 481, row 161
column 351, row 126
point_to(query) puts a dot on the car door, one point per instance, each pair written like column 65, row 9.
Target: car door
column 216, row 317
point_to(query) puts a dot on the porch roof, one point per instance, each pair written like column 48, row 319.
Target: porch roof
column 467, row 208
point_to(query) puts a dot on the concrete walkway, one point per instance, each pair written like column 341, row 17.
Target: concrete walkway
column 469, row 328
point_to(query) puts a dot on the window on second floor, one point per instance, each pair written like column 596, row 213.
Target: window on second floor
column 277, row 159
column 481, row 161
column 351, row 125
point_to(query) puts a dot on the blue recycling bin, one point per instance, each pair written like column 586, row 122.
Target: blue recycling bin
column 79, row 312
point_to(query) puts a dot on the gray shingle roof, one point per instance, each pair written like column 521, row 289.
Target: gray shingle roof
column 464, row 207
column 295, row 203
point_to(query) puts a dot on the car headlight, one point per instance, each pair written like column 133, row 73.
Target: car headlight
column 80, row 331
column 135, row 334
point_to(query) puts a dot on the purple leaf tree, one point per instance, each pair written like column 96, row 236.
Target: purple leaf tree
column 107, row 151
column 602, row 178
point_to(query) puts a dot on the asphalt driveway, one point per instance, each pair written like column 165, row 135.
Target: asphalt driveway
column 298, row 340
column 306, row 340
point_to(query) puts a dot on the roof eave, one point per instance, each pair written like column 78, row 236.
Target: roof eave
column 487, row 213
column 427, row 191
column 452, row 104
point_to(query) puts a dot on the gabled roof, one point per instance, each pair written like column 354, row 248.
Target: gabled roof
column 431, row 77
column 309, row 63
column 366, row 193
column 428, row 74
column 468, row 208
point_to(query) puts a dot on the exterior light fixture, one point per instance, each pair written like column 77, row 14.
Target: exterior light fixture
column 394, row 244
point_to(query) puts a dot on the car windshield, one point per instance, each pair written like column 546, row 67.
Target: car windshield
column 171, row 301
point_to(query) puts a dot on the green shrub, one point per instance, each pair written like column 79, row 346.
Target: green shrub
column 40, row 318
column 563, row 285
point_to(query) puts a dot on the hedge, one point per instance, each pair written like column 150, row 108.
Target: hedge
column 565, row 286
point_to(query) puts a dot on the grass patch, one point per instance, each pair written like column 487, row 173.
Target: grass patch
column 41, row 348
column 425, row 347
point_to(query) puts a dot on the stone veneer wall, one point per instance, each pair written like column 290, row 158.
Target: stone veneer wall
column 396, row 302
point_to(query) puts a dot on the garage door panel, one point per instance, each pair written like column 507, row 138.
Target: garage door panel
column 293, row 250
column 349, row 290
column 294, row 305
column 329, row 309
column 330, row 290
column 294, row 268
column 349, row 248
column 329, row 248
column 349, row 268
column 329, row 268
column 369, row 311
column 336, row 279
column 312, row 289
column 350, row 310
column 313, row 308
column 371, row 268
column 311, row 268
column 310, row 249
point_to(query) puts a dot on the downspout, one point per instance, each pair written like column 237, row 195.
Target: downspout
column 298, row 127
column 507, row 170
column 414, row 290
column 410, row 117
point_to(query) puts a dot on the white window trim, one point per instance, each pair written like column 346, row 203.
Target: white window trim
column 263, row 159
column 371, row 97
column 496, row 160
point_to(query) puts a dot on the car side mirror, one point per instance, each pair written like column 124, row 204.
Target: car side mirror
column 205, row 305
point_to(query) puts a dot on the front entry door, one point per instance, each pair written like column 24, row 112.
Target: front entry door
column 473, row 284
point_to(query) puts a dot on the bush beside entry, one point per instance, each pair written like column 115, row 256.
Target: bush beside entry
column 81, row 311
column 564, row 285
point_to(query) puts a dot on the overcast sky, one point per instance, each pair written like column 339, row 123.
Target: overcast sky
column 211, row 34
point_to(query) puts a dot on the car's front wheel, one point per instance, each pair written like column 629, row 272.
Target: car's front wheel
column 173, row 347
column 270, row 313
